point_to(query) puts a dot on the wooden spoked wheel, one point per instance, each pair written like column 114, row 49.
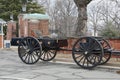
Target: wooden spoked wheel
column 107, row 54
column 87, row 52
column 48, row 55
column 29, row 50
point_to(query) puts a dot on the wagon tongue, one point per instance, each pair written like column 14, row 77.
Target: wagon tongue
column 109, row 50
column 115, row 52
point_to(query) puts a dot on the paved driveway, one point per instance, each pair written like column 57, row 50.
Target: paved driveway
column 12, row 68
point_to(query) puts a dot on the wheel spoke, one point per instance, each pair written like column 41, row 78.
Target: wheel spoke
column 78, row 56
column 35, row 45
column 105, row 46
column 82, row 46
column 24, row 54
column 34, row 57
column 87, row 63
column 78, row 50
column 92, row 46
column 78, row 46
column 43, row 52
column 26, row 57
column 90, row 42
column 94, row 59
column 102, row 42
column 104, row 57
column 28, row 41
column 81, row 59
column 49, row 54
column 44, row 56
column 23, row 46
column 91, row 58
column 84, row 61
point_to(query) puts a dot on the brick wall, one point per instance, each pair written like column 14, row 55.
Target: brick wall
column 11, row 30
column 115, row 43
column 43, row 26
column 21, row 25
column 31, row 27
column 71, row 42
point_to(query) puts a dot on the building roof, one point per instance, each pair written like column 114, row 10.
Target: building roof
column 2, row 21
column 35, row 16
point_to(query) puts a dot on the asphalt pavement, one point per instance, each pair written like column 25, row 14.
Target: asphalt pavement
column 12, row 68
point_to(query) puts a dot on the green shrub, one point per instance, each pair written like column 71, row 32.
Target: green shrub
column 110, row 31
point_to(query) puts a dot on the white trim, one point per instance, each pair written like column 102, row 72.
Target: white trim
column 3, row 23
column 1, row 34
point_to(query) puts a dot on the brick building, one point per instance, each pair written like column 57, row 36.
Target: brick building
column 1, row 37
column 32, row 23
column 11, row 30
column 1, row 41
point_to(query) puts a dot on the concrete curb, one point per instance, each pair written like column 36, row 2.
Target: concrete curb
column 99, row 66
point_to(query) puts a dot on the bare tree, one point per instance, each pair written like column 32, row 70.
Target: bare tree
column 46, row 4
column 66, row 16
column 101, row 14
column 98, row 13
column 94, row 18
column 111, row 14
column 62, row 16
column 115, row 13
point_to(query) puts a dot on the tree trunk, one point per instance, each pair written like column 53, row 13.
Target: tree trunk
column 82, row 21
column 82, row 16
